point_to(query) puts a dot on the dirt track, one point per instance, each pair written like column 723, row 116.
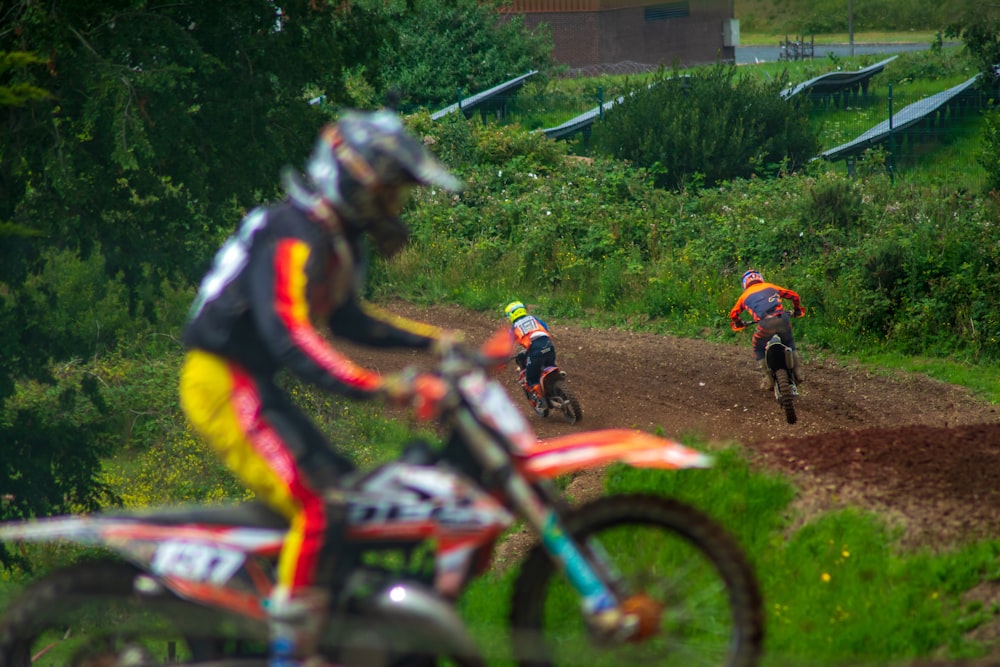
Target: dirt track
column 925, row 453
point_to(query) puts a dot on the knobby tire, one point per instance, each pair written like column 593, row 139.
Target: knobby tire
column 712, row 608
column 787, row 399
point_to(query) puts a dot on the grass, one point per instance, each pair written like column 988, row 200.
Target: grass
column 982, row 380
column 836, row 590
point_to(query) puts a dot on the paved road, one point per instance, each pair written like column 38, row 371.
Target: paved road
column 755, row 54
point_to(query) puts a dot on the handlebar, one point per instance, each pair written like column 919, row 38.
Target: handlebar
column 427, row 389
column 798, row 312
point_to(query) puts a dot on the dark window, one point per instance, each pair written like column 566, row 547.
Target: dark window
column 669, row 10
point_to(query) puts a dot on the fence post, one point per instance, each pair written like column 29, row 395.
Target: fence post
column 600, row 102
column 892, row 142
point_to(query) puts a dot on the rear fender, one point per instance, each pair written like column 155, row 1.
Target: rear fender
column 114, row 532
column 551, row 374
column 76, row 529
column 778, row 355
column 196, row 561
column 580, row 451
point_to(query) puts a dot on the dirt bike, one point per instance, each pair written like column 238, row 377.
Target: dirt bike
column 780, row 362
column 624, row 579
column 558, row 396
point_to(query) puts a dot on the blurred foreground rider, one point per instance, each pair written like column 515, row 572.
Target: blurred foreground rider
column 290, row 268
column 763, row 301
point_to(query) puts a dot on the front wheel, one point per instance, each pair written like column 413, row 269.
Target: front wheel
column 564, row 400
column 671, row 559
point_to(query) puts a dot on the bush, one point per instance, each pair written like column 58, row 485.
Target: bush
column 709, row 127
column 989, row 155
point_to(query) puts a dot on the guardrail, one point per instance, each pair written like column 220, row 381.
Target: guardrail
column 836, row 84
column 936, row 108
column 486, row 100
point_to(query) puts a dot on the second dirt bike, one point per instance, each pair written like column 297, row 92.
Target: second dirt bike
column 558, row 396
column 628, row 579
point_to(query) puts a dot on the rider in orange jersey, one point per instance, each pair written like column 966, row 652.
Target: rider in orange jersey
column 532, row 334
column 289, row 268
column 763, row 301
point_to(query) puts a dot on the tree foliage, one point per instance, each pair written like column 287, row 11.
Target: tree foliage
column 135, row 135
column 167, row 118
column 708, row 127
column 459, row 44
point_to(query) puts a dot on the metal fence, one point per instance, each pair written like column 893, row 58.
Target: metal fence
column 861, row 128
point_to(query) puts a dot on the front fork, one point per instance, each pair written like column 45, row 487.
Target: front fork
column 543, row 508
column 587, row 572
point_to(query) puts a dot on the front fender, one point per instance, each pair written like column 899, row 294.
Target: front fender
column 590, row 449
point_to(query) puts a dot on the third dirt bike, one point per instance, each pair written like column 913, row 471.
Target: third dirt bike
column 627, row 579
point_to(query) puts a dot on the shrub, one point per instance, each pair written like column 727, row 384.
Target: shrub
column 708, row 127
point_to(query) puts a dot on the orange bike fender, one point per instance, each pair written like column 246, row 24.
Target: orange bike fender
column 590, row 449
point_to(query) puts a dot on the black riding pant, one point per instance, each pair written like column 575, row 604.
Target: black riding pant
column 540, row 353
column 780, row 324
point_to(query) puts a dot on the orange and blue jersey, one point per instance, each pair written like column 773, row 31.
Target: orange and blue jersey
column 761, row 300
column 527, row 328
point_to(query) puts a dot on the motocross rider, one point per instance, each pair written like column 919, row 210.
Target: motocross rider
column 763, row 301
column 533, row 335
column 291, row 267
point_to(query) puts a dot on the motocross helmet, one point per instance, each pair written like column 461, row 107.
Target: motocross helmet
column 751, row 277
column 364, row 166
column 515, row 310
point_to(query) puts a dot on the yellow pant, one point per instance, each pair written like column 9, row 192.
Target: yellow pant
column 242, row 419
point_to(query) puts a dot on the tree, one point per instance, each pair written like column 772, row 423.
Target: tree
column 446, row 45
column 168, row 120
column 132, row 141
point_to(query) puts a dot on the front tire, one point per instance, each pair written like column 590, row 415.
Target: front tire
column 664, row 552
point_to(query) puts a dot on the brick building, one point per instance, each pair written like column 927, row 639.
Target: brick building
column 605, row 32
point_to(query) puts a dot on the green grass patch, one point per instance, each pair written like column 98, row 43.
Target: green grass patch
column 983, row 379
column 836, row 590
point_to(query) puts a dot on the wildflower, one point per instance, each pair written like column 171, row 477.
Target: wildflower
column 825, row 577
